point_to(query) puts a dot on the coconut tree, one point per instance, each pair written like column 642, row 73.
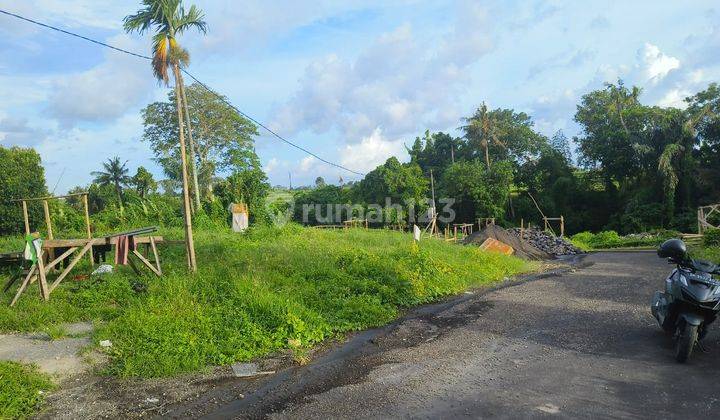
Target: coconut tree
column 169, row 19
column 115, row 174
column 482, row 128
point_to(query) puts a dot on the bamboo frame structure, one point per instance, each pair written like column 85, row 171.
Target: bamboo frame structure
column 704, row 212
column 484, row 222
column 48, row 219
column 548, row 225
column 82, row 247
column 466, row 229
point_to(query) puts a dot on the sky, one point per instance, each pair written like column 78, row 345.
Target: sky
column 353, row 81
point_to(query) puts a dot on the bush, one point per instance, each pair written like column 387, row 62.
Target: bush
column 606, row 239
column 582, row 240
column 711, row 237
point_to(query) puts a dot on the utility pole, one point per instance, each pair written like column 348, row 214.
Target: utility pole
column 432, row 186
column 290, row 178
column 452, row 152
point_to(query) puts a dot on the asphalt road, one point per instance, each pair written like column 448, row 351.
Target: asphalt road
column 581, row 344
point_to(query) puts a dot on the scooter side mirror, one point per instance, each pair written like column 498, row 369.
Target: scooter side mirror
column 674, row 249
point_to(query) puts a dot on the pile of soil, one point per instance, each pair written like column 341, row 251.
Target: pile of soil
column 522, row 249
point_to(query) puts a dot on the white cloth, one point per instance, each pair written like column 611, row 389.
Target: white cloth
column 416, row 233
column 239, row 222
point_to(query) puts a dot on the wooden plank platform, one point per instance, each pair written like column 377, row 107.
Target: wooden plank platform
column 66, row 243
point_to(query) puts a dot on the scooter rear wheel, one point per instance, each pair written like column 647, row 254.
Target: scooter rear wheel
column 685, row 342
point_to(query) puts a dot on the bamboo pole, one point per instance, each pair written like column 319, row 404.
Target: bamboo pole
column 193, row 168
column 48, row 222
column 87, row 227
column 25, row 216
column 189, row 243
column 50, row 197
column 699, row 219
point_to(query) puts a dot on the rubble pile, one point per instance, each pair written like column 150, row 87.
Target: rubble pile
column 521, row 249
column 547, row 242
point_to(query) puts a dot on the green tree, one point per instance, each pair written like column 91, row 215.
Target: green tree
column 401, row 183
column 222, row 136
column 169, row 19
column 319, row 182
column 500, row 135
column 143, row 182
column 246, row 184
column 115, row 174
column 478, row 191
column 560, row 143
column 22, row 176
column 434, row 152
column 704, row 118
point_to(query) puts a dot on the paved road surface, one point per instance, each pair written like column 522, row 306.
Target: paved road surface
column 581, row 344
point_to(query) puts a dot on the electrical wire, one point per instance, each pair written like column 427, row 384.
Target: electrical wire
column 220, row 97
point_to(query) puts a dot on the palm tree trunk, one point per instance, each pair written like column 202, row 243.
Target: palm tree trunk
column 487, row 156
column 189, row 243
column 118, row 191
column 193, row 168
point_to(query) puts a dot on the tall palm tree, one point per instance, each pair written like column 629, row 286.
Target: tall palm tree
column 169, row 19
column 115, row 174
column 482, row 127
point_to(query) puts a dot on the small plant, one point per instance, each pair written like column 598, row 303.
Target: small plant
column 712, row 237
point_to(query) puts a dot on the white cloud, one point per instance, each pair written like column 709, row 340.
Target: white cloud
column 371, row 152
column 271, row 165
column 16, row 132
column 307, row 164
column 398, row 83
column 105, row 92
column 654, row 64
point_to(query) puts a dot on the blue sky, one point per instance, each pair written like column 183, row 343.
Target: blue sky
column 351, row 80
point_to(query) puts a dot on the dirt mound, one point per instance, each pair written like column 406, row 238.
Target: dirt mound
column 522, row 249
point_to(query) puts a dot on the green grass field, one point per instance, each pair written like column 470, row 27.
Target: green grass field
column 22, row 390
column 257, row 293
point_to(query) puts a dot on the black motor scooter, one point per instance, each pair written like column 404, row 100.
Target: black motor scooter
column 691, row 300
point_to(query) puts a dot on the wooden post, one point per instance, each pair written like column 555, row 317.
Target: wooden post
column 698, row 222
column 522, row 229
column 189, row 242
column 562, row 226
column 546, row 222
column 48, row 222
column 87, row 226
column 25, row 216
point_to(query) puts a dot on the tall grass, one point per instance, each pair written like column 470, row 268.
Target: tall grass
column 260, row 292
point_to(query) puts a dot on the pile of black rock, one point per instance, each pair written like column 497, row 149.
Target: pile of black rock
column 547, row 242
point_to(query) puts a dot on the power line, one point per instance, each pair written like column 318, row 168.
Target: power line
column 281, row 138
column 268, row 129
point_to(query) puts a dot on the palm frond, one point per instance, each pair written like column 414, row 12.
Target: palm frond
column 192, row 19
column 160, row 57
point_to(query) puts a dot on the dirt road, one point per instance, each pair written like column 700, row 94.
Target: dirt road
column 578, row 344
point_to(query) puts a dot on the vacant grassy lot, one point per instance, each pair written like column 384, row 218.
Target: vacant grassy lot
column 257, row 293
column 21, row 390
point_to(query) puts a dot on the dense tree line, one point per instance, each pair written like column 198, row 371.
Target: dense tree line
column 638, row 167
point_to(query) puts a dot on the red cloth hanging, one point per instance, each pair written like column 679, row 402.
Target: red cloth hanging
column 123, row 245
